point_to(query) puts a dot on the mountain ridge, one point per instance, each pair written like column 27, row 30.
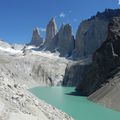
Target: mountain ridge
column 91, row 32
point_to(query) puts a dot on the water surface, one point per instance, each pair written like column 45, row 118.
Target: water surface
column 76, row 106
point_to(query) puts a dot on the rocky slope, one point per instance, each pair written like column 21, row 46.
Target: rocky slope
column 105, row 71
column 36, row 39
column 20, row 71
column 18, row 104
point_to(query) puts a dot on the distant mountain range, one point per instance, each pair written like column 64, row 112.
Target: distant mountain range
column 90, row 35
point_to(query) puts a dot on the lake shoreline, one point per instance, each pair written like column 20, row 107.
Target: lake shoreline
column 50, row 111
column 78, row 107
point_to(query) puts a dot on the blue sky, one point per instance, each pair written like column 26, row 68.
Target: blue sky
column 19, row 17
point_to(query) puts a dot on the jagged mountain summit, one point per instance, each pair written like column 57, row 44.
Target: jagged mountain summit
column 106, row 60
column 20, row 72
column 100, row 80
column 36, row 39
column 90, row 35
column 63, row 42
column 93, row 32
column 51, row 31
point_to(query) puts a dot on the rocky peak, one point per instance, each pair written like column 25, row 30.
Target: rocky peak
column 36, row 39
column 36, row 33
column 66, row 40
column 63, row 42
column 51, row 31
column 106, row 60
column 65, row 31
column 66, row 27
column 93, row 32
column 108, row 13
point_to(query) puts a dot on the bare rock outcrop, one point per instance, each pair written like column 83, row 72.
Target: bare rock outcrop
column 106, row 61
column 63, row 42
column 51, row 31
column 75, row 72
column 92, row 33
column 36, row 39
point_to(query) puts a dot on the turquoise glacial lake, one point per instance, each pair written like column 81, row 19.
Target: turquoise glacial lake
column 76, row 106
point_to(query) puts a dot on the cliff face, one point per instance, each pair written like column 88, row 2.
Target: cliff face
column 75, row 72
column 36, row 39
column 97, row 32
column 63, row 42
column 106, row 61
column 66, row 40
column 92, row 33
column 51, row 31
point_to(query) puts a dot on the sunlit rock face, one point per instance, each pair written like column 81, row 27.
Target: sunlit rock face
column 36, row 39
column 63, row 42
column 51, row 31
column 92, row 33
column 106, row 61
column 103, row 60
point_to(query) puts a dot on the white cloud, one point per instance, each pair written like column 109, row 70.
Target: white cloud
column 62, row 15
column 43, row 29
column 119, row 2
